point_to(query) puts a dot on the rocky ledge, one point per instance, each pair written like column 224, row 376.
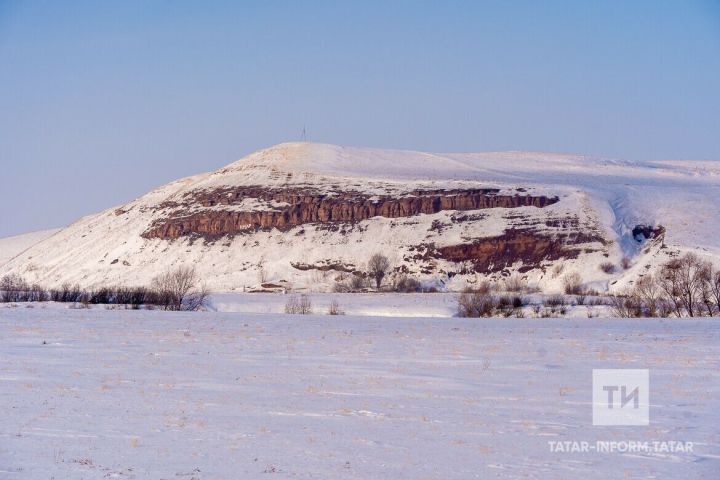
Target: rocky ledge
column 293, row 206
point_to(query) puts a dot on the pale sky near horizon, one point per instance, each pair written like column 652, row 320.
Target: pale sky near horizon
column 102, row 101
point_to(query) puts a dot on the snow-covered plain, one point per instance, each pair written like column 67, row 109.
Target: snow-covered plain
column 140, row 394
column 364, row 304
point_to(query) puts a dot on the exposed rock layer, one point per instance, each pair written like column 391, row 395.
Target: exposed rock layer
column 290, row 207
column 532, row 248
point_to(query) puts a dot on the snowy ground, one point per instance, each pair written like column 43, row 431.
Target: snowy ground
column 365, row 304
column 383, row 304
column 127, row 394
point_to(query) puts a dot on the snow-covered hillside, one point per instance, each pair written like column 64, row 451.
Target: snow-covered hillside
column 15, row 245
column 302, row 214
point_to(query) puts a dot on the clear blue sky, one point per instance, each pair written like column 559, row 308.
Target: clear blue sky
column 101, row 101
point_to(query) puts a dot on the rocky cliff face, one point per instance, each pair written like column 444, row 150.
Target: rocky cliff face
column 528, row 247
column 289, row 207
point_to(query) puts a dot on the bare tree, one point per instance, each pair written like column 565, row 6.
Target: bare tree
column 711, row 290
column 648, row 293
column 682, row 281
column 669, row 282
column 378, row 266
column 180, row 289
column 715, row 288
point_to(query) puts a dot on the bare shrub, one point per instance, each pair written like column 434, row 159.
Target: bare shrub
column 547, row 313
column 67, row 293
column 73, row 293
column 572, row 283
column 515, row 283
column 137, row 296
column 378, row 266
column 625, row 263
column 405, row 284
column 55, row 295
column 484, row 286
column 102, row 295
column 305, row 305
column 13, row 288
column 298, row 306
column 335, row 309
column 555, row 304
column 37, row 294
column 475, row 304
column 508, row 306
column 358, row 282
column 133, row 297
column 179, row 289
column 607, row 267
column 664, row 308
column 595, row 302
column 342, row 286
column 291, row 305
column 554, row 301
column 626, row 306
column 262, row 271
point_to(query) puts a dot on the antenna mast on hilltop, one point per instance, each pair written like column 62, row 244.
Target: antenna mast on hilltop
column 304, row 135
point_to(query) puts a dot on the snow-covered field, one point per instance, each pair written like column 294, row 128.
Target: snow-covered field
column 140, row 394
column 365, row 304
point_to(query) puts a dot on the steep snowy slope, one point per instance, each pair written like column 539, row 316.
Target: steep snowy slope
column 303, row 214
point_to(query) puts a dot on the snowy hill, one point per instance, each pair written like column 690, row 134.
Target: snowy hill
column 303, row 214
column 15, row 245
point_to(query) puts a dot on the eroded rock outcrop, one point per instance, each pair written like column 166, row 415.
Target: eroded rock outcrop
column 530, row 247
column 647, row 232
column 289, row 207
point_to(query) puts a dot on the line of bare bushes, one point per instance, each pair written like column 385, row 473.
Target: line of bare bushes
column 178, row 290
